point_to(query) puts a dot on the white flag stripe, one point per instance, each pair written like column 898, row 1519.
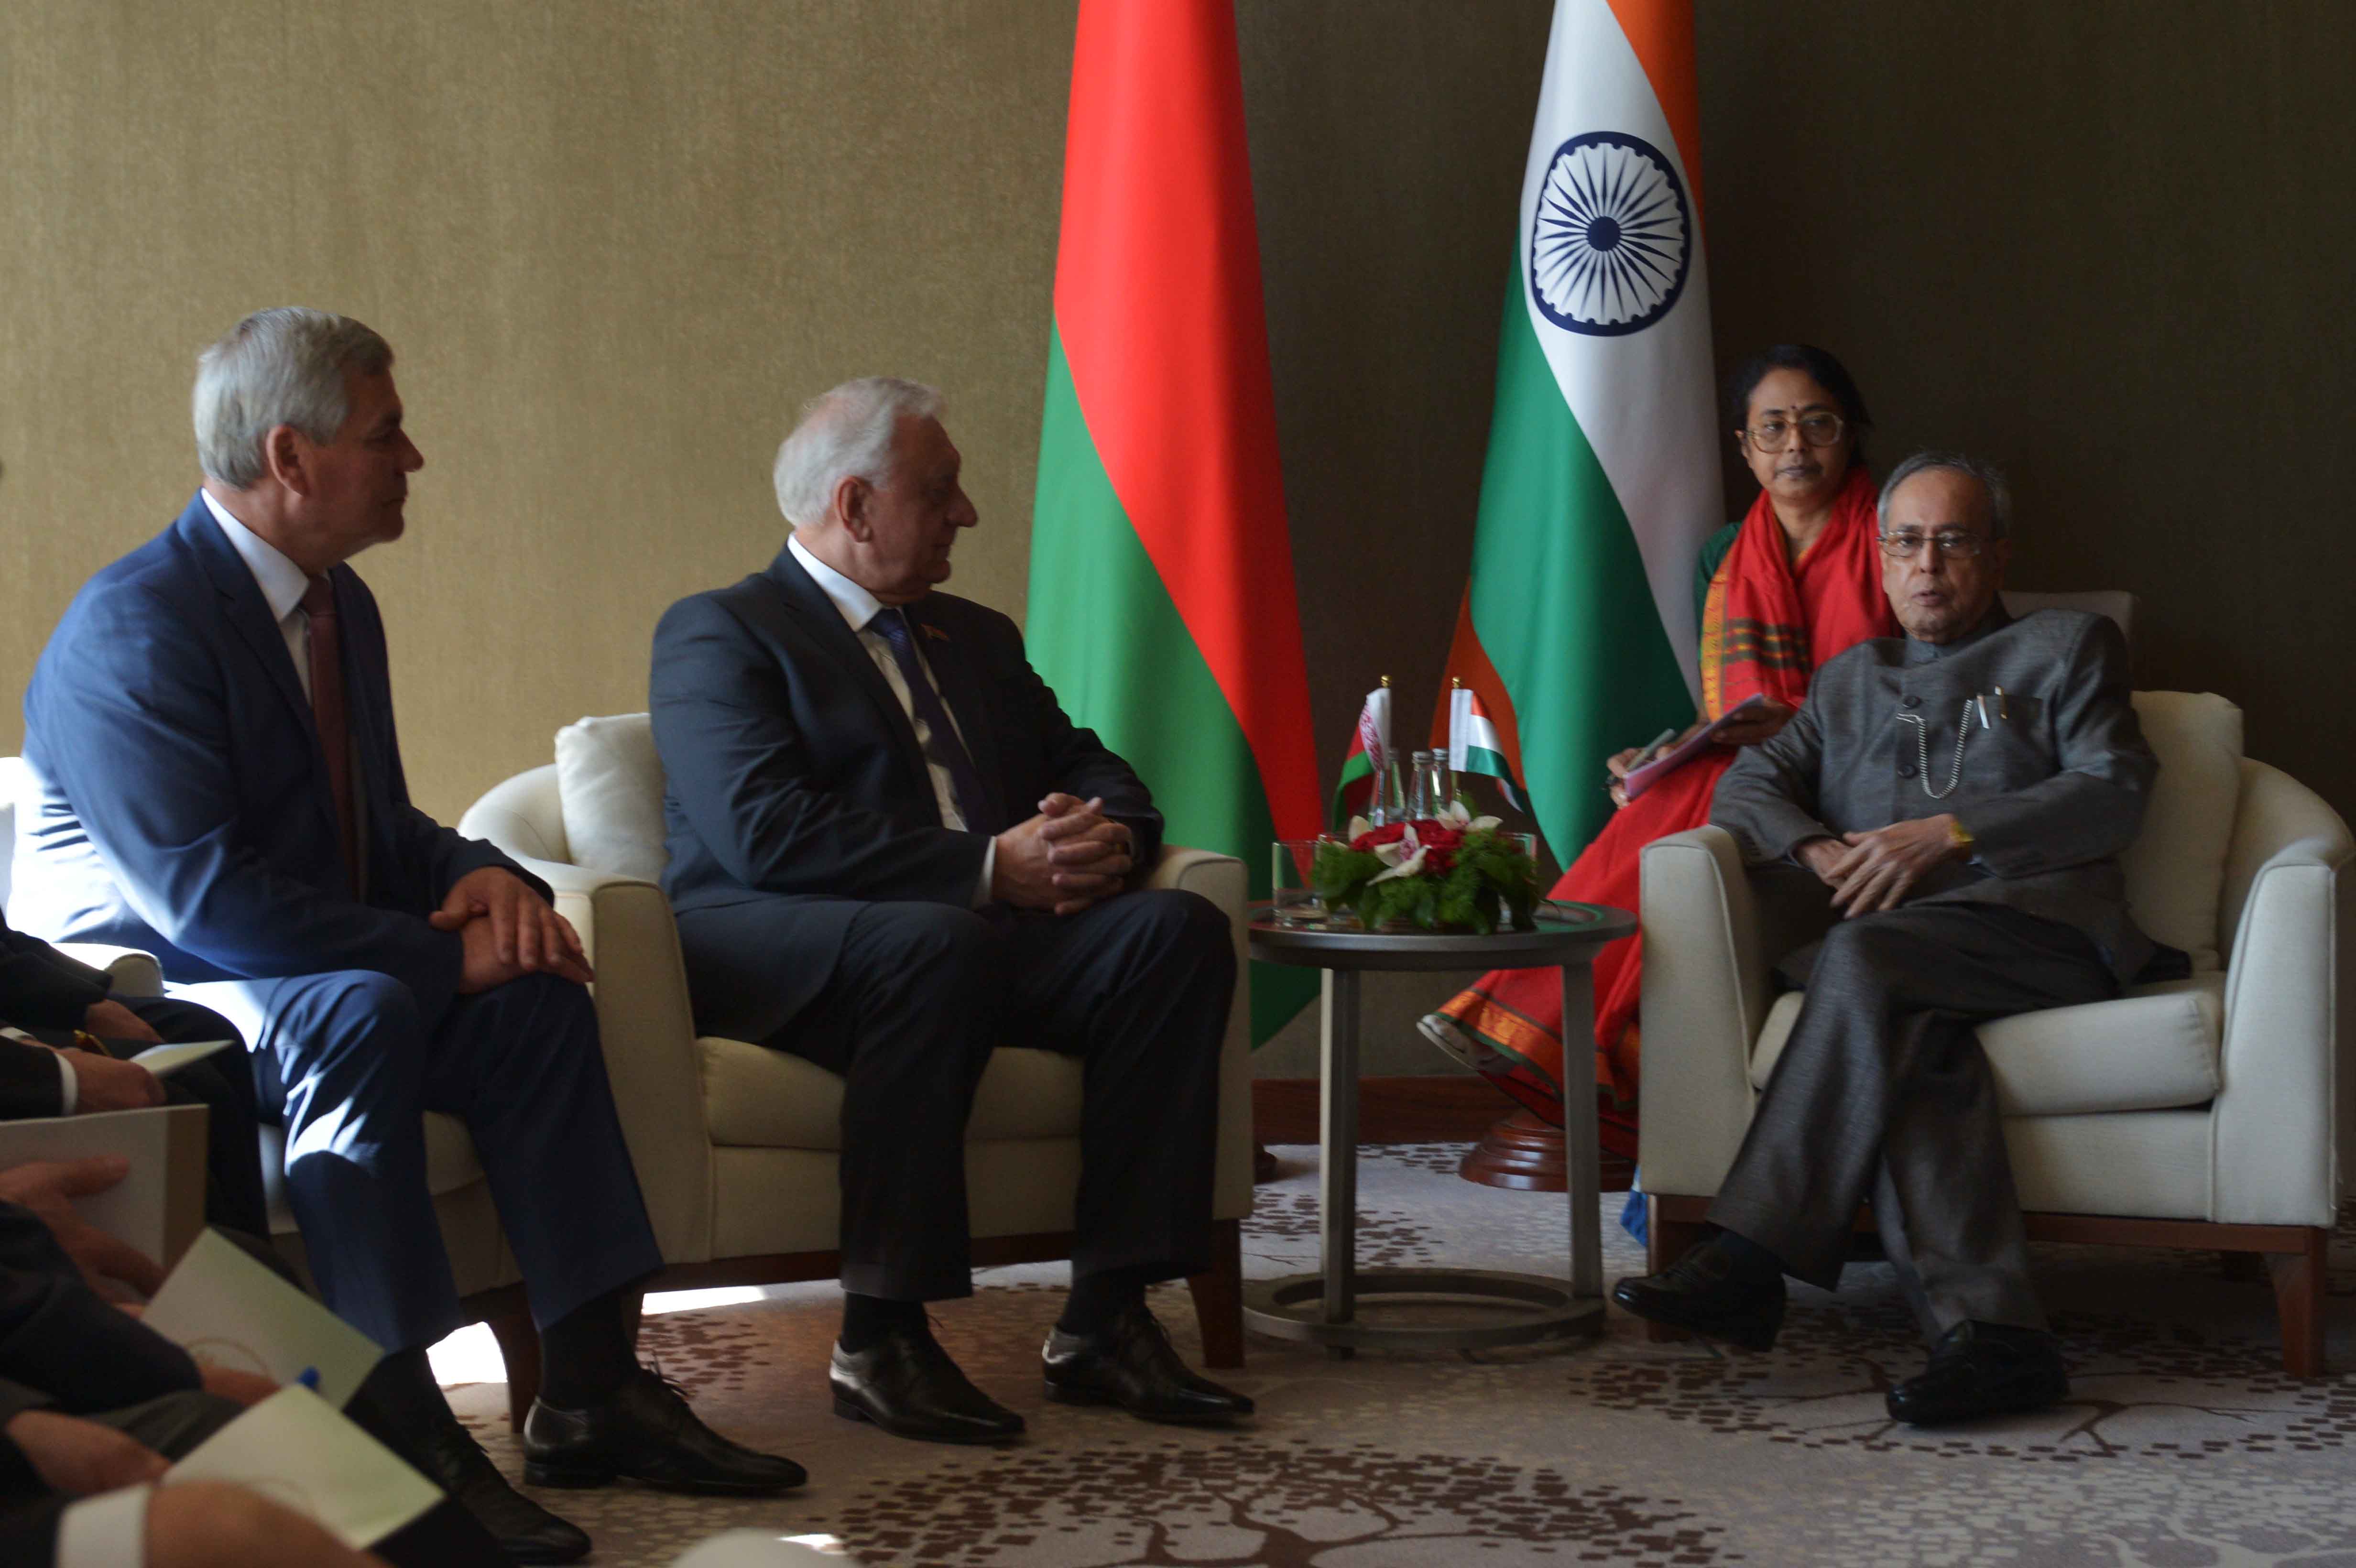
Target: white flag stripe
column 1642, row 400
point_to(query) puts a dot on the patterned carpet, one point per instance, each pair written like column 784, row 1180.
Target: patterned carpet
column 2184, row 1445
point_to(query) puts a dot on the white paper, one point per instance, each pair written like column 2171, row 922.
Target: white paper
column 134, row 1209
column 300, row 1454
column 227, row 1311
column 163, row 1060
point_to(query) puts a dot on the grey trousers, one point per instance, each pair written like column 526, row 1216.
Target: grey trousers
column 1883, row 1090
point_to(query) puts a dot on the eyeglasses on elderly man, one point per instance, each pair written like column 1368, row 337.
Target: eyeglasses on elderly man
column 1953, row 543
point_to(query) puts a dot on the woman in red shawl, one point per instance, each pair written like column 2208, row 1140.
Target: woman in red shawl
column 1796, row 582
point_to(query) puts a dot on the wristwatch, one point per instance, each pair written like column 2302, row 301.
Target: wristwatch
column 1960, row 836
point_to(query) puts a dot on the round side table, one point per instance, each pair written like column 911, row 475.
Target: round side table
column 1322, row 1308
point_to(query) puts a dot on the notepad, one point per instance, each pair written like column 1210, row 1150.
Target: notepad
column 1669, row 762
column 160, row 1207
column 163, row 1060
column 225, row 1309
column 302, row 1454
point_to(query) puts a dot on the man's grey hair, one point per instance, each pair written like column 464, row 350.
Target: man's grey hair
column 1991, row 478
column 846, row 434
column 277, row 366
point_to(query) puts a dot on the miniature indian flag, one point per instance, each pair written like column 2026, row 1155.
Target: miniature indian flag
column 1602, row 480
column 1473, row 746
column 1369, row 754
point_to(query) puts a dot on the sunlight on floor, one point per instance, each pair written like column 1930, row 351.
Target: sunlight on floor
column 472, row 1355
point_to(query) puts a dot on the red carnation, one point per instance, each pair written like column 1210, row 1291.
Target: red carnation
column 1388, row 833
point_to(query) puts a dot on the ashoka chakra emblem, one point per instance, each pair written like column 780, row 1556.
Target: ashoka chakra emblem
column 1612, row 236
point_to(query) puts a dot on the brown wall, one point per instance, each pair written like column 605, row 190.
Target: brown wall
column 616, row 243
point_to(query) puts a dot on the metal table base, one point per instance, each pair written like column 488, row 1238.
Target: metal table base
column 1322, row 1308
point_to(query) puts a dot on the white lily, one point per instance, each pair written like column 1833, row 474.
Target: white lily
column 1456, row 815
column 1404, row 857
column 1359, row 828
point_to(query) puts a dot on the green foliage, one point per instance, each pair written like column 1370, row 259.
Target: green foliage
column 1491, row 877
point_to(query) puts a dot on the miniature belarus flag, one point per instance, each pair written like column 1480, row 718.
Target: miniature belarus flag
column 1473, row 746
column 1369, row 756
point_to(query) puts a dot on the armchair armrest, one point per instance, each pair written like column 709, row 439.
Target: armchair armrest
column 1705, row 997
column 1220, row 879
column 134, row 974
column 2281, row 1111
column 647, row 1024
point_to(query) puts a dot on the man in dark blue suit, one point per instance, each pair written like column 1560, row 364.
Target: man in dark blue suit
column 218, row 782
column 890, row 850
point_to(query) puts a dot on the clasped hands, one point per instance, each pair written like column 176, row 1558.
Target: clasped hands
column 1065, row 858
column 508, row 931
column 1868, row 872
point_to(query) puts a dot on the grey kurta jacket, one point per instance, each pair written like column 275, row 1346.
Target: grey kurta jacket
column 2051, row 789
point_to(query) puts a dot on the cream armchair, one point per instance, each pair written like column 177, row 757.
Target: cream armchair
column 2208, row 1113
column 736, row 1145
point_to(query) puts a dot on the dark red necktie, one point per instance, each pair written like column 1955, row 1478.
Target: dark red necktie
column 328, row 712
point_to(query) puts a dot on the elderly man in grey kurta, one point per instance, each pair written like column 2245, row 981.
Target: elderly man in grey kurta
column 1962, row 795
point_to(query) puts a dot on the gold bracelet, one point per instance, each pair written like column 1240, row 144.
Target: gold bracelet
column 1959, row 835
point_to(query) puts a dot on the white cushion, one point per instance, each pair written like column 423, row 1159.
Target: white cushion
column 2176, row 868
column 2154, row 1048
column 760, row 1098
column 611, row 785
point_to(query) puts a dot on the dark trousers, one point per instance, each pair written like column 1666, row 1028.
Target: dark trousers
column 1137, row 987
column 233, row 1191
column 1884, row 1089
column 349, row 1064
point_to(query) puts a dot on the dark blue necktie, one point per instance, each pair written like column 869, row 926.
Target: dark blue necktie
column 943, row 745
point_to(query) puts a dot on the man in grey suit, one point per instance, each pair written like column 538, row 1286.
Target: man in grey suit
column 1961, row 796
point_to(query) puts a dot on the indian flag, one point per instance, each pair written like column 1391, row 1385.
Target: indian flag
column 1602, row 481
column 1162, row 606
column 1475, row 747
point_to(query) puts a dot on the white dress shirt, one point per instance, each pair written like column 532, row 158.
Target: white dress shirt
column 283, row 585
column 858, row 607
column 69, row 1082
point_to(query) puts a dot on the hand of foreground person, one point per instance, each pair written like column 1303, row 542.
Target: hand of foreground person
column 248, row 1388
column 49, row 1187
column 80, row 1457
column 102, row 1084
column 110, row 1019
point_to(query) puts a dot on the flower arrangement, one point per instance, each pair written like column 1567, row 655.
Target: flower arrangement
column 1453, row 870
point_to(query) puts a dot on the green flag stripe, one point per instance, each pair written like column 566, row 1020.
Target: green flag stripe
column 1129, row 669
column 1560, row 601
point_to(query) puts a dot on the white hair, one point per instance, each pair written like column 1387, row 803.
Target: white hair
column 1990, row 477
column 277, row 366
column 845, row 434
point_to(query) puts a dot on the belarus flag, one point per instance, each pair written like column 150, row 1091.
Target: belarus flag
column 1163, row 608
column 1602, row 473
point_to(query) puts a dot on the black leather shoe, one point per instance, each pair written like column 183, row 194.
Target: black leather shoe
column 1983, row 1368
column 906, row 1384
column 1709, row 1293
column 1131, row 1364
column 453, row 1460
column 645, row 1432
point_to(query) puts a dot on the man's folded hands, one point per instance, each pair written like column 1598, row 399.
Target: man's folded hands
column 1868, row 872
column 1065, row 858
column 510, row 931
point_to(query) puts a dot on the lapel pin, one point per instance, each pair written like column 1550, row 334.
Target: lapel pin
column 936, row 633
